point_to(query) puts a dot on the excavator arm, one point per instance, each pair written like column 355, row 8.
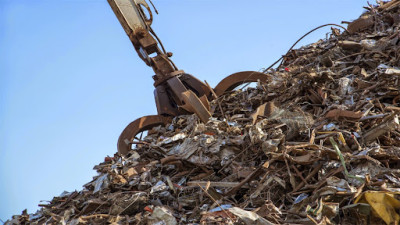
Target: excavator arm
column 132, row 16
column 176, row 92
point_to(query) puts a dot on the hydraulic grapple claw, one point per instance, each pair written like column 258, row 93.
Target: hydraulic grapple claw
column 176, row 92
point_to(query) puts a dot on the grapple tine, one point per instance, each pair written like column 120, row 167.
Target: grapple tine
column 194, row 104
column 205, row 102
column 232, row 81
column 142, row 124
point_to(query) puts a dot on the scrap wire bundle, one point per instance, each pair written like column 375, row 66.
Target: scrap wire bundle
column 318, row 144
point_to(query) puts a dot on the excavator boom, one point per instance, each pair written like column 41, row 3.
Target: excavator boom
column 131, row 14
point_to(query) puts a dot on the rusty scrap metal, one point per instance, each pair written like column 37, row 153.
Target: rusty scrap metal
column 318, row 143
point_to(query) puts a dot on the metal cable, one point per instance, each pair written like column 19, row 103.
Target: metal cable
column 329, row 24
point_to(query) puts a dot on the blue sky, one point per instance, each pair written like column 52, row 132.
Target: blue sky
column 70, row 80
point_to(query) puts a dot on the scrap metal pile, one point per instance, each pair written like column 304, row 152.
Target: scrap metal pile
column 319, row 143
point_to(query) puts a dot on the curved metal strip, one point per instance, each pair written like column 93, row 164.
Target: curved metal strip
column 232, row 81
column 142, row 124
